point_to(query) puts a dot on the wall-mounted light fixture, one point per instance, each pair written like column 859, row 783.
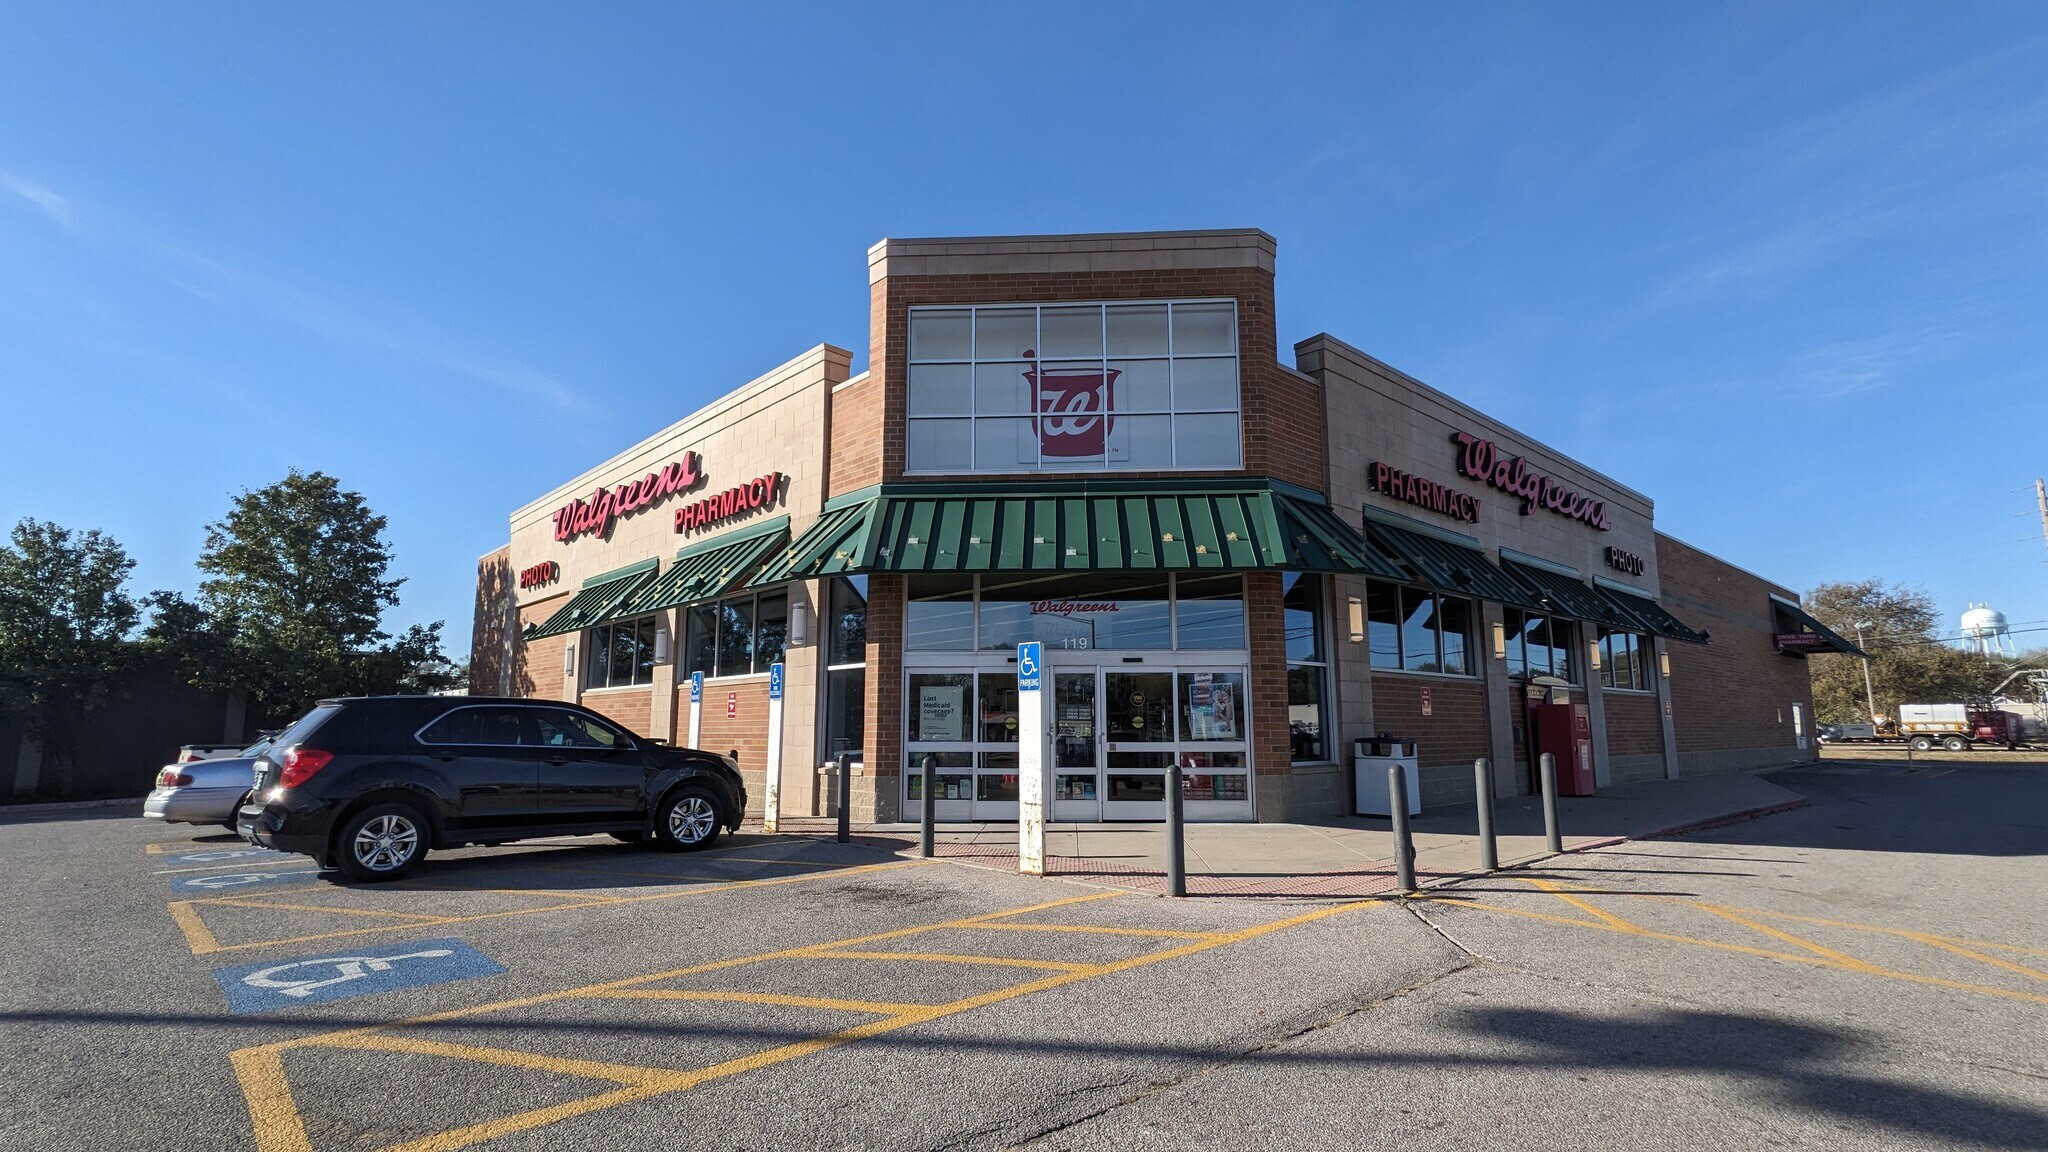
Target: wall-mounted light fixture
column 661, row 642
column 1357, row 620
column 1664, row 664
column 568, row 659
column 1593, row 655
column 799, row 623
column 1500, row 640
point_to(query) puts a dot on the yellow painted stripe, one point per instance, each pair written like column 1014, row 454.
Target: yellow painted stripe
column 198, row 937
column 950, row 958
column 879, row 1008
column 251, row 902
column 1606, row 917
column 683, row 1081
column 153, row 849
column 1841, row 958
column 1945, row 945
column 1102, row 930
column 531, row 1061
column 272, row 1113
column 1909, row 934
column 473, row 917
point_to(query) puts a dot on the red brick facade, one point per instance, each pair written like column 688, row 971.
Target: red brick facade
column 884, row 742
column 1264, row 619
column 492, row 647
column 1454, row 732
column 631, row 707
column 745, row 733
column 537, row 664
column 1731, row 699
column 1635, row 725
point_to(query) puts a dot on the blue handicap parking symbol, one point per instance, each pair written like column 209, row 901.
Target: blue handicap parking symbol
column 1030, row 661
column 775, row 681
column 248, row 852
column 350, row 972
column 219, row 883
column 696, row 687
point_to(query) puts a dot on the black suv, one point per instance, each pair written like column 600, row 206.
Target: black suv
column 369, row 784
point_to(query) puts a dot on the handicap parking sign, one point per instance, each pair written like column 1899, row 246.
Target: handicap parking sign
column 218, row 883
column 1030, row 662
column 775, row 681
column 350, row 972
column 696, row 687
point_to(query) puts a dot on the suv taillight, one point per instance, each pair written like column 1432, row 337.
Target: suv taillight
column 300, row 764
column 172, row 778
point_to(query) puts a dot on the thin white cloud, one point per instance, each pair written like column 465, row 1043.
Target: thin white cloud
column 229, row 286
column 54, row 206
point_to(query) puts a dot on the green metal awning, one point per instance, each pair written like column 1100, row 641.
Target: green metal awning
column 708, row 569
column 1803, row 621
column 834, row 545
column 598, row 601
column 1451, row 567
column 1081, row 526
column 1568, row 596
column 1649, row 615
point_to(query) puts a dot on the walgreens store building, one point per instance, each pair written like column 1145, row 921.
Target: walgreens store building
column 1235, row 564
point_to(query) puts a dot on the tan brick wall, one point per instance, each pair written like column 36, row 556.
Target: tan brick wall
column 491, row 633
column 630, row 707
column 1282, row 410
column 747, row 732
column 1634, row 725
column 1731, row 699
column 537, row 664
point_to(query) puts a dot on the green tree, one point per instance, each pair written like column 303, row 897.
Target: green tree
column 1909, row 664
column 296, row 585
column 65, row 615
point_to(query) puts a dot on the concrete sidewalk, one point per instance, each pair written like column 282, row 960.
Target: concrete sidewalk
column 1342, row 856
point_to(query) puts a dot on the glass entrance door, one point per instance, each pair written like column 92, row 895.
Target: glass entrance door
column 1076, row 745
column 1138, row 723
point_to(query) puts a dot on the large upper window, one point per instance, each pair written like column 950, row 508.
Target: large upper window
column 738, row 636
column 1073, row 387
column 1307, row 667
column 1416, row 630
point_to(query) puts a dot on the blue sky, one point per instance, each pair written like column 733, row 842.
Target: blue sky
column 1781, row 267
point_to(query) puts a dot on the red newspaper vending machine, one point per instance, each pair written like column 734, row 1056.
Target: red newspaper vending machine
column 1566, row 732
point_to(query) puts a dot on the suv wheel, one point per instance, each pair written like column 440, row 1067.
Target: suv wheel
column 687, row 820
column 381, row 842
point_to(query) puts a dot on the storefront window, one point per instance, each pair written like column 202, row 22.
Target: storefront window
column 847, row 627
column 1302, row 611
column 1108, row 611
column 1077, row 612
column 737, row 637
column 1210, row 612
column 1073, row 387
column 846, row 675
column 1415, row 630
column 939, row 706
column 620, row 654
column 1540, row 646
column 939, row 616
column 845, row 710
column 1624, row 660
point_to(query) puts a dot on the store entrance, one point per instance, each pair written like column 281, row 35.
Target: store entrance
column 1114, row 731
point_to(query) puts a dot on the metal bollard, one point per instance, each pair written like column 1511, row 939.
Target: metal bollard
column 845, row 799
column 1482, row 781
column 1404, row 844
column 928, row 808
column 1546, row 765
column 1176, row 837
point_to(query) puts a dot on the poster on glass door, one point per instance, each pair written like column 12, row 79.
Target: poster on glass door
column 941, row 712
column 1212, row 708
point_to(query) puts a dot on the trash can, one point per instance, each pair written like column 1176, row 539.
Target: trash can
column 1370, row 760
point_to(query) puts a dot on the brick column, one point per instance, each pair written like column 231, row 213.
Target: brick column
column 876, row 795
column 1271, row 752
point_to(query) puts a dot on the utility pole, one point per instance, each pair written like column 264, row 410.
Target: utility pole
column 1869, row 693
column 2041, row 498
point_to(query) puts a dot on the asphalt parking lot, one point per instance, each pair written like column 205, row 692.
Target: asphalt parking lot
column 1863, row 972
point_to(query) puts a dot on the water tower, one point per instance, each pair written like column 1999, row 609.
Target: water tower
column 1986, row 633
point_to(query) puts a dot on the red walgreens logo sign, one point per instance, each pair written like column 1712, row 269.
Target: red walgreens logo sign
column 1075, row 409
column 1483, row 460
column 545, row 572
column 605, row 505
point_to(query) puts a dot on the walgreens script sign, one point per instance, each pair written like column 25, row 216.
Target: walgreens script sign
column 596, row 513
column 1076, row 408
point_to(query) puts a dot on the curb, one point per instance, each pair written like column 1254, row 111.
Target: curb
column 69, row 805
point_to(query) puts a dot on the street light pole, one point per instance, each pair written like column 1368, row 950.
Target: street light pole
column 1869, row 695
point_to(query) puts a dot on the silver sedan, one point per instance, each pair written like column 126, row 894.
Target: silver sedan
column 204, row 791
